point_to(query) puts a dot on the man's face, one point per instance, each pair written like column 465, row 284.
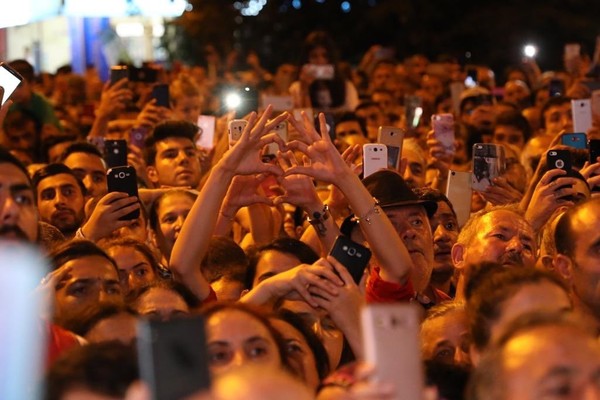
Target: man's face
column 90, row 169
column 445, row 232
column 506, row 134
column 515, row 92
column 551, row 363
column 347, row 128
column 412, row 225
column 176, row 163
column 372, row 115
column 585, row 280
column 61, row 203
column 18, row 213
column 382, row 76
column 558, row 118
column 500, row 236
column 92, row 280
column 22, row 138
column 415, row 69
column 414, row 175
column 384, row 99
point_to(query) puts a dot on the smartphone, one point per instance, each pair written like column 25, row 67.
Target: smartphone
column 353, row 256
column 279, row 103
column 160, row 92
column 207, row 124
column 9, row 80
column 118, row 72
column 391, row 345
column 323, row 72
column 392, row 137
column 582, row 114
column 559, row 159
column 236, row 127
column 123, row 180
column 575, row 140
column 594, row 148
column 571, row 54
column 23, row 334
column 443, row 130
column 137, row 137
column 173, row 357
column 458, row 191
column 413, row 106
column 488, row 163
column 144, row 74
column 297, row 113
column 282, row 130
column 556, row 87
column 375, row 157
column 115, row 153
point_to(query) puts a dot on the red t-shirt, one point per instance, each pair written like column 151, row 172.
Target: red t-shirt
column 380, row 291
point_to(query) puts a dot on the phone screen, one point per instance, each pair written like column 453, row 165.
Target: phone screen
column 8, row 81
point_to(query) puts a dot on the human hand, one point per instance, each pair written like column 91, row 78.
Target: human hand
column 548, row 196
column 243, row 191
column 298, row 189
column 135, row 158
column 47, row 288
column 105, row 217
column 151, row 115
column 501, row 192
column 439, row 155
column 114, row 99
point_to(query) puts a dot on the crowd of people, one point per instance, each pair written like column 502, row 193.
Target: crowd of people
column 240, row 236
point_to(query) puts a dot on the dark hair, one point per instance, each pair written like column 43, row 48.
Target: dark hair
column 294, row 247
column 80, row 147
column 56, row 169
column 351, row 116
column 551, row 102
column 489, row 287
column 564, row 237
column 321, row 359
column 516, row 120
column 24, row 68
column 77, row 249
column 141, row 248
column 102, row 368
column 165, row 130
column 449, row 379
column 427, row 193
column 153, row 217
column 224, row 259
column 178, row 288
column 52, row 141
column 7, row 158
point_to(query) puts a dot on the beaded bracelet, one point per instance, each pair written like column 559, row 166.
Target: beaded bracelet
column 367, row 217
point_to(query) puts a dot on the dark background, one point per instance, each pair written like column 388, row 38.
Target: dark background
column 493, row 32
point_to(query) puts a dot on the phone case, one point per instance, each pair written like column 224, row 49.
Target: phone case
column 575, row 140
column 160, row 92
column 117, row 73
column 375, row 157
column 115, row 153
column 351, row 255
column 236, row 127
column 123, row 180
column 458, row 191
column 393, row 138
column 582, row 115
column 443, row 130
column 279, row 103
column 560, row 159
column 488, row 163
column 206, row 123
column 282, row 130
column 9, row 80
column 556, row 87
column 391, row 344
column 173, row 357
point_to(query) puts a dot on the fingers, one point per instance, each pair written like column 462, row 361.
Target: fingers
column 341, row 270
column 111, row 197
column 323, row 128
column 325, row 270
column 125, row 211
column 298, row 145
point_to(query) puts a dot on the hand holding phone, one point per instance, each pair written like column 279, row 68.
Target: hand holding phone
column 236, row 127
column 392, row 138
column 123, row 180
column 353, row 256
column 160, row 92
column 559, row 159
column 115, row 153
column 488, row 163
column 443, row 130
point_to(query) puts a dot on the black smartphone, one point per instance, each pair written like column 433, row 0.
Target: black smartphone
column 594, row 148
column 144, row 74
column 160, row 92
column 559, row 159
column 115, row 153
column 556, row 88
column 172, row 357
column 9, row 80
column 123, row 180
column 118, row 72
column 353, row 256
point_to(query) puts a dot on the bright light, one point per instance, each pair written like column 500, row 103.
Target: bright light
column 232, row 100
column 345, row 6
column 417, row 117
column 252, row 8
column 529, row 50
column 130, row 29
column 297, row 4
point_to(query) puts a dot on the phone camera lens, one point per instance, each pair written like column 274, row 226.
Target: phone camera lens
column 559, row 164
column 121, row 175
column 351, row 251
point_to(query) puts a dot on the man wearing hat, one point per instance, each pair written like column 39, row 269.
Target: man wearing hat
column 410, row 217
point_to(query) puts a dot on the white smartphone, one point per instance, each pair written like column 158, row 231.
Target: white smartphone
column 236, row 127
column 458, row 191
column 375, row 157
column 279, row 103
column 392, row 137
column 9, row 80
column 282, row 130
column 391, row 344
column 582, row 115
column 207, row 135
column 324, row 72
column 443, row 130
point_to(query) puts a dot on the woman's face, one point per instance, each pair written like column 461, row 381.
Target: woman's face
column 235, row 338
column 162, row 304
column 134, row 268
column 318, row 56
column 298, row 352
column 172, row 212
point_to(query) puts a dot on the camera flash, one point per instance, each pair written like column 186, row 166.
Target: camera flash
column 233, row 101
column 529, row 50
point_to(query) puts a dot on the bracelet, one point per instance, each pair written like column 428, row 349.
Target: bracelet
column 318, row 219
column 373, row 211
